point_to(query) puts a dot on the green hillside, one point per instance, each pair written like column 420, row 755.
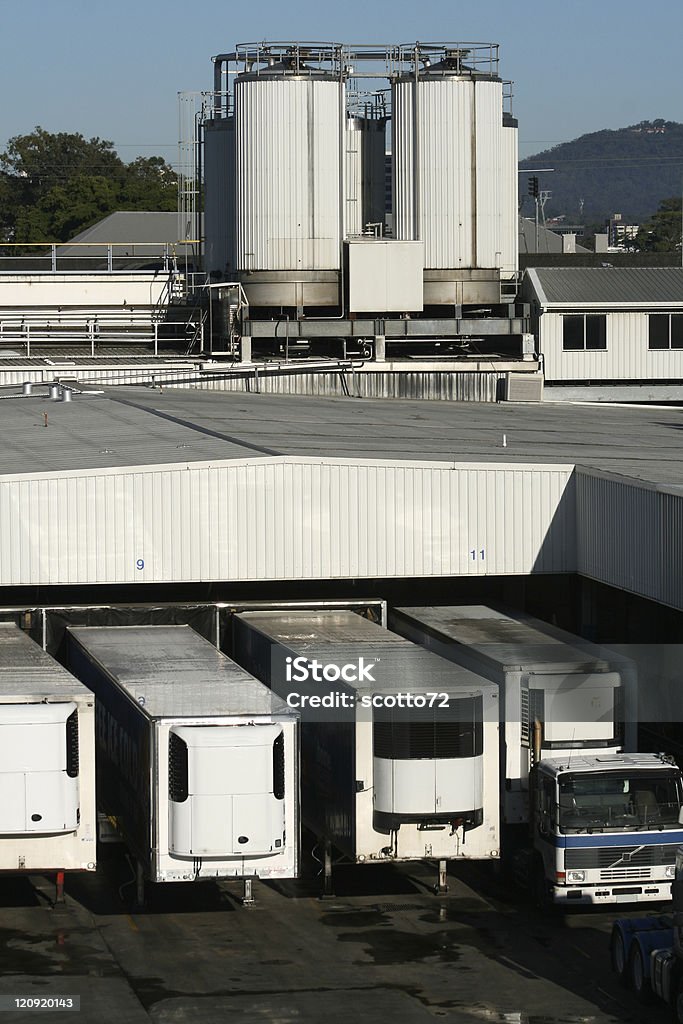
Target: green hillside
column 627, row 171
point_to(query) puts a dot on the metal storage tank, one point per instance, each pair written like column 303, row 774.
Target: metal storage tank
column 447, row 174
column 289, row 144
column 365, row 171
column 509, row 193
column 219, row 196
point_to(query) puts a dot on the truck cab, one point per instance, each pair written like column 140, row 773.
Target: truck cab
column 605, row 828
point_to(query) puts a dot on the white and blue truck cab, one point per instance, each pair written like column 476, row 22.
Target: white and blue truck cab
column 605, row 828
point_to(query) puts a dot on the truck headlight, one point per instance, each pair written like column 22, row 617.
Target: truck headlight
column 576, row 876
column 670, row 871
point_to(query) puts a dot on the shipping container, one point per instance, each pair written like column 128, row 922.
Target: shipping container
column 399, row 747
column 47, row 761
column 197, row 760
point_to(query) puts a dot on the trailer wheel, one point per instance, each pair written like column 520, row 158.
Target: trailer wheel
column 618, row 956
column 636, row 971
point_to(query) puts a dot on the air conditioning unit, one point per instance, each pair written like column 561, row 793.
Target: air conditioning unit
column 523, row 387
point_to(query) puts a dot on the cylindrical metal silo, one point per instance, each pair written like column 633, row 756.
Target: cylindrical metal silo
column 510, row 196
column 289, row 147
column 365, row 173
column 447, row 177
column 219, row 197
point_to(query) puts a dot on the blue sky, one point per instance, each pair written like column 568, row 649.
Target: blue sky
column 114, row 69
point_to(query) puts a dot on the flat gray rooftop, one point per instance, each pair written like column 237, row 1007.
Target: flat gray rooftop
column 136, row 426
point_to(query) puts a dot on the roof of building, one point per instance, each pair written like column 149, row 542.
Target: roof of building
column 548, row 241
column 132, row 226
column 134, row 426
column 608, row 286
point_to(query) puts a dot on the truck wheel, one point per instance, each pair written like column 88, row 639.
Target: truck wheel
column 541, row 894
column 636, row 970
column 618, row 956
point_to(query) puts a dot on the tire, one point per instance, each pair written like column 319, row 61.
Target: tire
column 636, row 973
column 541, row 894
column 618, row 957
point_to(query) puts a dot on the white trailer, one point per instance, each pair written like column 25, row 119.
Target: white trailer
column 585, row 818
column 47, row 762
column 197, row 760
column 399, row 747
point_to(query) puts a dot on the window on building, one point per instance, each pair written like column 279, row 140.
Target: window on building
column 584, row 332
column 665, row 330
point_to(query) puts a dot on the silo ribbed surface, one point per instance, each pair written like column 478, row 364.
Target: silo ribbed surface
column 288, row 173
column 448, row 155
column 509, row 244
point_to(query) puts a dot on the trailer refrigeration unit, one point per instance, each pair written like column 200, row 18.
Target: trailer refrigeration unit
column 47, row 762
column 399, row 747
column 585, row 819
column 197, row 760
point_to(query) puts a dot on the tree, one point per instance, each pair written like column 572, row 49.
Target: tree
column 662, row 233
column 52, row 186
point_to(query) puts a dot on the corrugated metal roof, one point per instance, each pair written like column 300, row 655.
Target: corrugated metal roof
column 135, row 227
column 138, row 426
column 608, row 286
column 173, row 672
column 27, row 671
column 548, row 241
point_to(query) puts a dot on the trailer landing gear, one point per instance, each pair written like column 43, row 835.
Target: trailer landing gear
column 247, row 895
column 441, row 887
column 327, row 890
column 59, row 887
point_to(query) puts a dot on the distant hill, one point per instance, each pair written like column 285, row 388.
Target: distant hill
column 627, row 171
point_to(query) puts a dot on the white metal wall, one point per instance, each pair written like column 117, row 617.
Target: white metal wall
column 630, row 535
column 285, row 518
column 288, row 173
column 627, row 356
column 91, row 290
column 365, row 173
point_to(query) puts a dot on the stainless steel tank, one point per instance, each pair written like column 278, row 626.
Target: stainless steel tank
column 219, row 197
column 365, row 173
column 448, row 176
column 289, row 147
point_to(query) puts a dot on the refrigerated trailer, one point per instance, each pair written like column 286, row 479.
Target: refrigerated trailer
column 197, row 761
column 399, row 746
column 585, row 818
column 47, row 762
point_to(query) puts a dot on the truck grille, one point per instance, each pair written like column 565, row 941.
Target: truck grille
column 616, row 859
column 620, row 874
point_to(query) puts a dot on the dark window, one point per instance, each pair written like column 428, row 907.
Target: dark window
column 279, row 767
column 572, row 333
column 665, row 331
column 659, row 330
column 72, row 745
column 584, row 332
column 404, row 734
column 596, row 332
column 178, row 784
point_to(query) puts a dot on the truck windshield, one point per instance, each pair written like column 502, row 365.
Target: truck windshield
column 621, row 800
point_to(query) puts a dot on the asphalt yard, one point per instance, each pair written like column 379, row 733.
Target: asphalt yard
column 384, row 949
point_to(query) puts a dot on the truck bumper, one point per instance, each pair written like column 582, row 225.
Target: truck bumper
column 598, row 895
